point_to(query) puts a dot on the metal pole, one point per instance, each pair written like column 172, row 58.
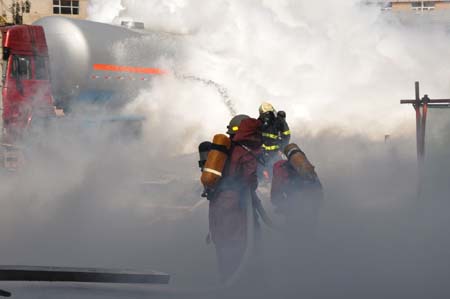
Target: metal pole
column 425, row 101
column 417, row 105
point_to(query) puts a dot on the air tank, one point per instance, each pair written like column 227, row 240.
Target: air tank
column 101, row 62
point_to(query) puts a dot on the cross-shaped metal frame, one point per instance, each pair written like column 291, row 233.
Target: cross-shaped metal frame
column 421, row 106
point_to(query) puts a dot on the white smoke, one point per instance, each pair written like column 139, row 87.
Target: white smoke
column 86, row 201
column 327, row 63
column 104, row 9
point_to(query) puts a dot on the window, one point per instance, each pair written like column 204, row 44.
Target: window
column 422, row 5
column 416, row 5
column 3, row 61
column 66, row 7
column 27, row 6
column 387, row 6
column 40, row 66
column 21, row 67
column 429, row 5
column 4, row 69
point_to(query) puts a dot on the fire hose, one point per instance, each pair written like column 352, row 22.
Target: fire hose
column 262, row 212
column 5, row 293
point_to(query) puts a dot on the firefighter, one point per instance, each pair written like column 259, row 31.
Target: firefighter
column 229, row 204
column 234, row 124
column 275, row 132
column 205, row 147
column 296, row 191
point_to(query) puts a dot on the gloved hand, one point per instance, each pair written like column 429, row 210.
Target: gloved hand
column 308, row 174
column 281, row 114
column 208, row 193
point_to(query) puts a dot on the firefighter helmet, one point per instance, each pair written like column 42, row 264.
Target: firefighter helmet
column 233, row 126
column 266, row 107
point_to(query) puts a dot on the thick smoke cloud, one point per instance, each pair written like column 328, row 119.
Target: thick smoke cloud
column 338, row 69
column 103, row 10
column 90, row 197
column 304, row 57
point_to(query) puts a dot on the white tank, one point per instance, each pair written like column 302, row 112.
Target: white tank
column 96, row 61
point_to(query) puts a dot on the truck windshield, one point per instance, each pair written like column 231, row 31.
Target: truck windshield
column 21, row 67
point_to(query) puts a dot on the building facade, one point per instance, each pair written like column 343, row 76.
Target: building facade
column 28, row 11
column 418, row 6
column 412, row 6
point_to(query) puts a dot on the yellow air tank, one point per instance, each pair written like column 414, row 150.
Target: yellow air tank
column 215, row 163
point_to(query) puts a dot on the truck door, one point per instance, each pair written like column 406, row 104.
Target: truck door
column 26, row 92
column 16, row 91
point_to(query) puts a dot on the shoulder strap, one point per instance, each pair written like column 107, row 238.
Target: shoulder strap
column 220, row 148
column 259, row 159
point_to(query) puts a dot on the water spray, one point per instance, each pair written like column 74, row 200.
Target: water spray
column 220, row 89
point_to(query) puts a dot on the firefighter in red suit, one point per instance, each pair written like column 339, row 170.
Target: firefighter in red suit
column 297, row 196
column 229, row 203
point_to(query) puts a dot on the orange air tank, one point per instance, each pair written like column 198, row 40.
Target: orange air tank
column 298, row 160
column 215, row 163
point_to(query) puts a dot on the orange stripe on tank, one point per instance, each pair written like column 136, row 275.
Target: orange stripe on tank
column 127, row 69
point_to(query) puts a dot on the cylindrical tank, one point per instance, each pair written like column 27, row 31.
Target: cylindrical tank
column 215, row 163
column 101, row 62
column 299, row 162
column 203, row 150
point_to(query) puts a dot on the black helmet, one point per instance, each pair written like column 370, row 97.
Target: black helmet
column 233, row 126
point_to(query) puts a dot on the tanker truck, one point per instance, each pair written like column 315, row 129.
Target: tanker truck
column 60, row 66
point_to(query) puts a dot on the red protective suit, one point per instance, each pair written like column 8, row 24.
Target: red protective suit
column 288, row 185
column 281, row 183
column 227, row 207
column 296, row 197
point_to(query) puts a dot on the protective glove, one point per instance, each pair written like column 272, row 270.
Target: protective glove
column 281, row 114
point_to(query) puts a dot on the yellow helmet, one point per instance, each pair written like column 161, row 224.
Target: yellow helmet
column 266, row 107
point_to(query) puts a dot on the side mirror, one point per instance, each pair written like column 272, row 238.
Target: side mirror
column 5, row 54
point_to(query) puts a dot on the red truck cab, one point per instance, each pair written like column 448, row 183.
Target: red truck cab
column 26, row 89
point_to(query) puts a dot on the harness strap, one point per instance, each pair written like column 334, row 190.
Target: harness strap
column 259, row 159
column 220, row 148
